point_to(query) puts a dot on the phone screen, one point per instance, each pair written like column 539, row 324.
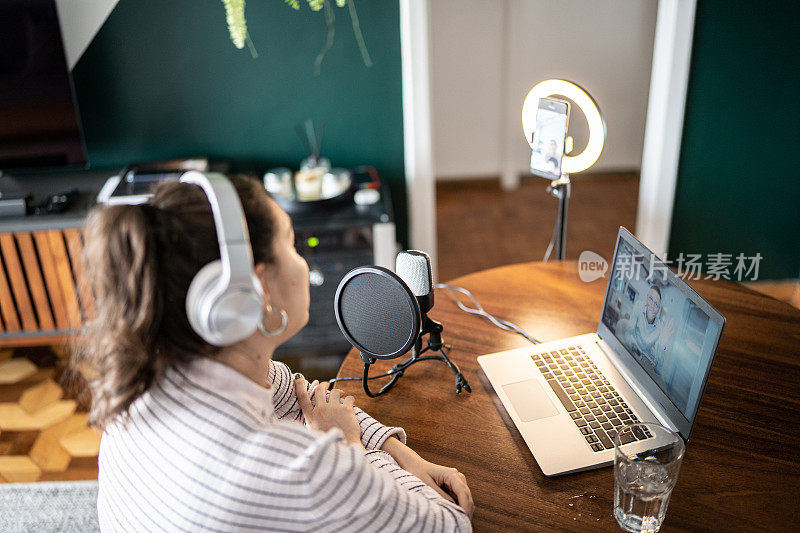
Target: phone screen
column 548, row 139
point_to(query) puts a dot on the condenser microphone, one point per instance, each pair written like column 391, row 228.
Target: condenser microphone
column 414, row 267
column 383, row 315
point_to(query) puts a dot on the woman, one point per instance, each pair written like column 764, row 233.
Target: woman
column 197, row 437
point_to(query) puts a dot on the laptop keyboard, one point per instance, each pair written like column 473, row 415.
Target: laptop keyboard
column 594, row 405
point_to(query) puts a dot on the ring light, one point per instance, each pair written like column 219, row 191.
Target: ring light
column 597, row 127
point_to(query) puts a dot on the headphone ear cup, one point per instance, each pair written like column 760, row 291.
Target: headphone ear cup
column 199, row 300
column 223, row 317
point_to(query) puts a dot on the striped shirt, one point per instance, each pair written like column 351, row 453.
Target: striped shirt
column 207, row 449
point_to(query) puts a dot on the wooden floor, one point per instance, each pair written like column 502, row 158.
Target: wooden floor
column 480, row 226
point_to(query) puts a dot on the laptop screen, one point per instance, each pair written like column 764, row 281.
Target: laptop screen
column 665, row 326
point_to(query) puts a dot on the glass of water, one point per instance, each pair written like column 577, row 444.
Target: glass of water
column 647, row 458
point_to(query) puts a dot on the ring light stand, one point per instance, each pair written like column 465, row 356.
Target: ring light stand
column 562, row 188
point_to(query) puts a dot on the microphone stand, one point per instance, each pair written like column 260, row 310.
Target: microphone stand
column 434, row 331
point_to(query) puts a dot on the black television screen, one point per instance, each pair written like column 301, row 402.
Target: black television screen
column 39, row 125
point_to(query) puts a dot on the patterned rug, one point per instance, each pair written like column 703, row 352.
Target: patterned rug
column 49, row 506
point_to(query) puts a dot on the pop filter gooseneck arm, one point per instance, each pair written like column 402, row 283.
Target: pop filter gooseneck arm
column 395, row 373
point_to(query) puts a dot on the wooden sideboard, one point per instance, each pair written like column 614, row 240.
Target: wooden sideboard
column 44, row 298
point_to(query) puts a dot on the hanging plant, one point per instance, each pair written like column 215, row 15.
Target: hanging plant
column 237, row 26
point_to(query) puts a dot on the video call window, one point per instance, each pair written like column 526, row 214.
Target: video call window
column 668, row 335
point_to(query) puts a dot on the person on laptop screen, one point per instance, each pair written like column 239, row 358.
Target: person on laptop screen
column 650, row 333
column 664, row 330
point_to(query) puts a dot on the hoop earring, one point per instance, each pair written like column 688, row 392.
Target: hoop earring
column 274, row 333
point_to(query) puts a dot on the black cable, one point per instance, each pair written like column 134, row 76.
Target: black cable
column 398, row 369
column 394, row 370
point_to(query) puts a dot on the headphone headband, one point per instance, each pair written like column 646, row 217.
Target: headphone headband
column 234, row 238
column 224, row 301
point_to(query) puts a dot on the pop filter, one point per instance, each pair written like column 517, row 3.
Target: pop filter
column 377, row 313
column 380, row 316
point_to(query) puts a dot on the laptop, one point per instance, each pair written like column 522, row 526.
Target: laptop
column 648, row 361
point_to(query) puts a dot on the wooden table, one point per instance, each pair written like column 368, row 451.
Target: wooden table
column 741, row 469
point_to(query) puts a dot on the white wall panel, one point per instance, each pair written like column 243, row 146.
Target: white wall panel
column 606, row 46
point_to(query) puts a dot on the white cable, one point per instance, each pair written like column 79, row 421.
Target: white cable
column 547, row 253
column 552, row 243
column 478, row 310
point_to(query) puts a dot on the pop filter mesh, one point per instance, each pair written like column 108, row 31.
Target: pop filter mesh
column 377, row 312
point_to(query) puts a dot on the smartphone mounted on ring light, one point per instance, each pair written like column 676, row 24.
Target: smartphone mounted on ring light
column 552, row 117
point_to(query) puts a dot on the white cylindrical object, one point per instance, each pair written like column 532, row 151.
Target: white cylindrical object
column 414, row 268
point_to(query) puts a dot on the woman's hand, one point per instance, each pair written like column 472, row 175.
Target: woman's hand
column 329, row 410
column 436, row 476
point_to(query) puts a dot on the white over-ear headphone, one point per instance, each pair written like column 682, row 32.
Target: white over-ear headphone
column 225, row 300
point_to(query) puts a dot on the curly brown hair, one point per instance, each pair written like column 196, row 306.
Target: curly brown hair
column 140, row 261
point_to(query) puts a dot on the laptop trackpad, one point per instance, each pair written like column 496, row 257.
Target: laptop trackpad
column 530, row 400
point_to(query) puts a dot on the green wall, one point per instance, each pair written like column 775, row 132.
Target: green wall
column 738, row 187
column 161, row 80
